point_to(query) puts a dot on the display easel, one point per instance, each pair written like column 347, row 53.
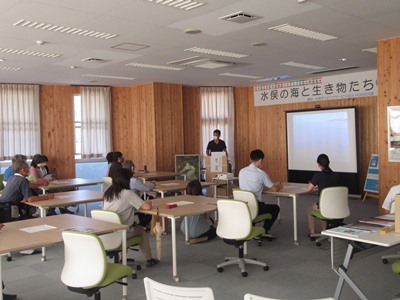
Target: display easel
column 371, row 186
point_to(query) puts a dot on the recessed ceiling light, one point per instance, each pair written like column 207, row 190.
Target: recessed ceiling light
column 300, row 65
column 256, row 44
column 215, row 52
column 65, row 29
column 9, row 69
column 192, row 31
column 343, row 59
column 240, row 75
column 139, row 65
column 286, row 28
column 180, row 4
column 2, row 59
column 108, row 76
column 40, row 43
column 372, row 50
column 29, row 53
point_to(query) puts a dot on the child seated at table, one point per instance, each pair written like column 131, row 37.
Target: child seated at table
column 200, row 227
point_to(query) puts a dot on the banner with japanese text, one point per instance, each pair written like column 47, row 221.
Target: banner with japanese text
column 353, row 85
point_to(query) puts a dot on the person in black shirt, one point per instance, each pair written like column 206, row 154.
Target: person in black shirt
column 216, row 145
column 325, row 178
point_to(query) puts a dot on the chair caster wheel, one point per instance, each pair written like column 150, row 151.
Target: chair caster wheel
column 385, row 261
column 244, row 274
column 220, row 270
column 138, row 267
column 270, row 239
column 266, row 268
column 318, row 244
column 134, row 276
column 259, row 243
column 9, row 258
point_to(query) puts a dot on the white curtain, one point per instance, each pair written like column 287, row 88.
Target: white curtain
column 20, row 120
column 96, row 127
column 218, row 112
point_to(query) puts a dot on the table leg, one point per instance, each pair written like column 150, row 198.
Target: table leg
column 43, row 215
column 296, row 242
column 186, row 230
column 174, row 258
column 124, row 261
column 342, row 272
column 278, row 202
column 1, row 278
column 85, row 209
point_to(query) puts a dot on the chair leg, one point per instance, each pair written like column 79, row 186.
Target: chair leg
column 97, row 296
column 385, row 258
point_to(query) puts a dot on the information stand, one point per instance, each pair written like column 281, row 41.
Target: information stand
column 371, row 186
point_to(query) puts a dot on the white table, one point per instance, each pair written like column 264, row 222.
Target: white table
column 70, row 183
column 374, row 238
column 291, row 190
column 13, row 239
column 200, row 205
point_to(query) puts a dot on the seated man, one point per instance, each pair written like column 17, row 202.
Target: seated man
column 253, row 179
column 16, row 193
column 9, row 171
column 386, row 205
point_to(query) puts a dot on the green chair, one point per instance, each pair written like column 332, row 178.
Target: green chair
column 112, row 242
column 85, row 269
column 333, row 208
column 251, row 200
column 235, row 228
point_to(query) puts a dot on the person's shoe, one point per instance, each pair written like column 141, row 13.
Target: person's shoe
column 30, row 252
column 151, row 262
column 9, row 297
column 198, row 240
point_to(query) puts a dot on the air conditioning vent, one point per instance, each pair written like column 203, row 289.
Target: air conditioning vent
column 94, row 60
column 239, row 17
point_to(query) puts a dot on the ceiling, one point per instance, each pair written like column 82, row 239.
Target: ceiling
column 154, row 34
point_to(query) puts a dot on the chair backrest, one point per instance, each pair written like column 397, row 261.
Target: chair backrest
column 234, row 219
column 1, row 182
column 107, row 183
column 255, row 297
column 248, row 197
column 85, row 262
column 393, row 207
column 158, row 291
column 334, row 202
column 112, row 240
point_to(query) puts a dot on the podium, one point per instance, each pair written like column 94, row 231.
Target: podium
column 216, row 165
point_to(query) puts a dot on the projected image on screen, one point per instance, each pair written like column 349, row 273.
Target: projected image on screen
column 332, row 131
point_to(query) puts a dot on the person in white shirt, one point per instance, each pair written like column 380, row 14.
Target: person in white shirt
column 253, row 178
column 394, row 190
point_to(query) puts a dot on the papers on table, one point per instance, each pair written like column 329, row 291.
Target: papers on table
column 37, row 228
column 180, row 203
column 348, row 231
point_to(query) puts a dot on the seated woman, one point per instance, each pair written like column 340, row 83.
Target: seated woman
column 35, row 174
column 325, row 178
column 122, row 200
column 199, row 226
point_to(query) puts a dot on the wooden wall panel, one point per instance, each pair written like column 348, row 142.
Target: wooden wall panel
column 169, row 124
column 57, row 128
column 388, row 95
column 133, row 131
column 191, row 119
column 264, row 127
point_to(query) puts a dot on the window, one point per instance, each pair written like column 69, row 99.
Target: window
column 78, row 125
column 19, row 120
column 217, row 112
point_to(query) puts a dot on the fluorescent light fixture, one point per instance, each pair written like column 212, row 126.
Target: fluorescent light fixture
column 333, row 70
column 187, row 61
column 213, row 64
column 29, row 53
column 108, row 76
column 9, row 69
column 215, row 52
column 286, row 28
column 240, row 75
column 130, row 47
column 157, row 67
column 300, row 65
column 180, row 4
column 372, row 50
column 65, row 29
